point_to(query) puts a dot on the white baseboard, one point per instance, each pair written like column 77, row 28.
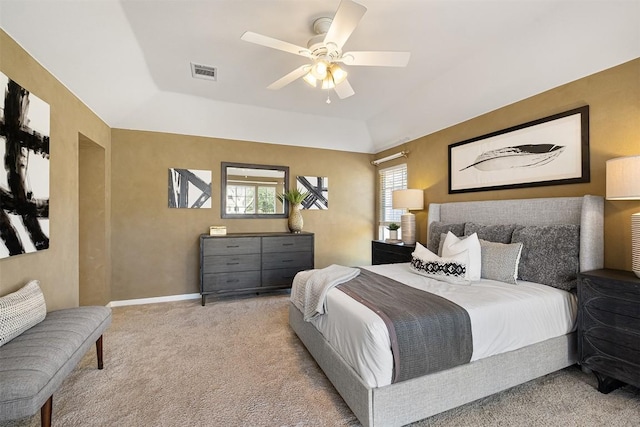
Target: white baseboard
column 153, row 300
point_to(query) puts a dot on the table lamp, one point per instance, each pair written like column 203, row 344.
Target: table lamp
column 623, row 183
column 409, row 199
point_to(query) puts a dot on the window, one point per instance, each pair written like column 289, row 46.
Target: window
column 393, row 178
column 242, row 198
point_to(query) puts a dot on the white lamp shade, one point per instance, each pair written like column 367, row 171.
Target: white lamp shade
column 409, row 199
column 623, row 183
column 623, row 178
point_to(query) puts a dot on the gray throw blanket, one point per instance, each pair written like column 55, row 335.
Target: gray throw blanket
column 316, row 284
column 428, row 333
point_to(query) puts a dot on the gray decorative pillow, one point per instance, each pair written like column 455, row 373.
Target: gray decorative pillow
column 500, row 261
column 21, row 310
column 500, row 233
column 549, row 255
column 443, row 236
column 437, row 228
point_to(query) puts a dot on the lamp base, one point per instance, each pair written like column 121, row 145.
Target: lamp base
column 635, row 243
column 408, row 225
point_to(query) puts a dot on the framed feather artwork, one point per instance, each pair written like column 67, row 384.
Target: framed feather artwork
column 550, row 151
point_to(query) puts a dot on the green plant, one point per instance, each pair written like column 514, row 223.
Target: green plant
column 393, row 226
column 294, row 196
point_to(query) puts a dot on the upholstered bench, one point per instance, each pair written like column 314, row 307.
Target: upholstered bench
column 35, row 363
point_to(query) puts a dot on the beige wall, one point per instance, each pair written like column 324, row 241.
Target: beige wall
column 150, row 250
column 56, row 267
column 93, row 268
column 155, row 248
column 614, row 99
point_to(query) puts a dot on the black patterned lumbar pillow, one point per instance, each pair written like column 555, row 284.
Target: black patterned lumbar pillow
column 451, row 269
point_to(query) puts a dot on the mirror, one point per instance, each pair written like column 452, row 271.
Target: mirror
column 250, row 191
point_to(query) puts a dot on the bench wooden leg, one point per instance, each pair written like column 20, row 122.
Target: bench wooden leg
column 45, row 412
column 99, row 352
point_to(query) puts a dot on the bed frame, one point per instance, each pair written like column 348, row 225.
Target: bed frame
column 408, row 401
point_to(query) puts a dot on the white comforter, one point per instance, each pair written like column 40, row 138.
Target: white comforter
column 503, row 317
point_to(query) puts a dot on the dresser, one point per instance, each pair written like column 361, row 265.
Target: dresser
column 390, row 253
column 240, row 263
column 609, row 327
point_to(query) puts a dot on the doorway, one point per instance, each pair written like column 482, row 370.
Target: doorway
column 94, row 288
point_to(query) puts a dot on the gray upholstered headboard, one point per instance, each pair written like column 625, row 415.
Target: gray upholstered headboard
column 586, row 211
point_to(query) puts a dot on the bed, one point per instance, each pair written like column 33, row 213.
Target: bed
column 392, row 404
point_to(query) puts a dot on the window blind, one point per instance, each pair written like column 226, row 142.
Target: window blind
column 393, row 178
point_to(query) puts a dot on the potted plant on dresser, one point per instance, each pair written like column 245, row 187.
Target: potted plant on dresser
column 295, row 198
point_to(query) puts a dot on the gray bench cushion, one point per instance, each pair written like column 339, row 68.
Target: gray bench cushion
column 34, row 364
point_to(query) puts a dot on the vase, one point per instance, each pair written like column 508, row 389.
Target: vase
column 393, row 234
column 295, row 218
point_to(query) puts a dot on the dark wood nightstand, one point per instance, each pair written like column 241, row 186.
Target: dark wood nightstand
column 609, row 327
column 390, row 253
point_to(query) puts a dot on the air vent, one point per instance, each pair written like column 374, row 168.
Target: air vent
column 206, row 72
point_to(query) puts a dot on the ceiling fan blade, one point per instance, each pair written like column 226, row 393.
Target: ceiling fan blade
column 289, row 78
column 275, row 44
column 372, row 58
column 346, row 20
column 344, row 90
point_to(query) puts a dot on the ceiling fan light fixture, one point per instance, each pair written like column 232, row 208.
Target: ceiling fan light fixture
column 319, row 69
column 328, row 83
column 338, row 74
column 311, row 81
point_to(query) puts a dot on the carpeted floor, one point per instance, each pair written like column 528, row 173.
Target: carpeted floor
column 236, row 363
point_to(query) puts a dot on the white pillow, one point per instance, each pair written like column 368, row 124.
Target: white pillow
column 452, row 270
column 21, row 310
column 454, row 245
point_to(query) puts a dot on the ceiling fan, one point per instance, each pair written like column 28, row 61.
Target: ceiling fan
column 324, row 50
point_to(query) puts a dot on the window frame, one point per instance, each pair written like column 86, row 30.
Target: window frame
column 386, row 213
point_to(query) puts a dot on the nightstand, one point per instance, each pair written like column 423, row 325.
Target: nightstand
column 609, row 327
column 390, row 253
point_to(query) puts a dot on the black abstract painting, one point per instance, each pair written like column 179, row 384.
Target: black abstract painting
column 24, row 185
column 189, row 188
column 318, row 189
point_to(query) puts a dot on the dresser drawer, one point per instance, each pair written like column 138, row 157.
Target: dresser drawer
column 287, row 244
column 614, row 353
column 611, row 312
column 623, row 344
column 231, row 245
column 230, row 281
column 300, row 260
column 279, row 276
column 223, row 264
column 595, row 286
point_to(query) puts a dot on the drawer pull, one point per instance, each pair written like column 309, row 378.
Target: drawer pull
column 287, row 244
column 233, row 281
column 233, row 246
column 233, row 263
column 287, row 260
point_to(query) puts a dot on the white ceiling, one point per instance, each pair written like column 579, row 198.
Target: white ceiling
column 129, row 61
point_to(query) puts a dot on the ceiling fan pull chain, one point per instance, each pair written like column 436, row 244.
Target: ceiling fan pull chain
column 328, row 101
